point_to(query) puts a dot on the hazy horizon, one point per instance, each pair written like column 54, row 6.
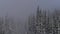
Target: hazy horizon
column 21, row 9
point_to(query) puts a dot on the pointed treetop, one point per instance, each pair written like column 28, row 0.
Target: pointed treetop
column 6, row 14
column 38, row 9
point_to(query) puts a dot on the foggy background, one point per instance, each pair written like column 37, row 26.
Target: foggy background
column 20, row 9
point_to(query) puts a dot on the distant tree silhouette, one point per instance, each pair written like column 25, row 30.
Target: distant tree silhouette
column 45, row 23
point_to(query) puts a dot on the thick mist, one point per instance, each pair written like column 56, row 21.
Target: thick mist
column 21, row 9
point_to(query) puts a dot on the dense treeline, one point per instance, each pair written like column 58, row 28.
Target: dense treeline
column 7, row 25
column 44, row 22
